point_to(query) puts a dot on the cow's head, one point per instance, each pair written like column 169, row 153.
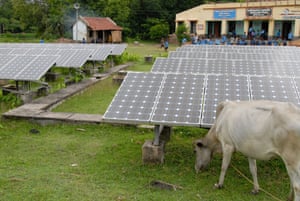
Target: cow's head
column 203, row 154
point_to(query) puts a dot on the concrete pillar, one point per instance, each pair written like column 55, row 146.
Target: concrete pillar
column 246, row 26
column 153, row 151
column 152, row 154
column 271, row 28
column 224, row 30
column 297, row 28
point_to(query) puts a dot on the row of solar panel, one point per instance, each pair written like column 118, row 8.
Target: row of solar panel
column 66, row 52
column 54, row 48
column 191, row 99
column 276, row 56
column 31, row 61
column 223, row 66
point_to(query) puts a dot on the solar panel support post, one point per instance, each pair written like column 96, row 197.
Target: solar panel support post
column 157, row 131
column 161, row 134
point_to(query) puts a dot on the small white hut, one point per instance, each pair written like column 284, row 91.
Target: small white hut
column 97, row 30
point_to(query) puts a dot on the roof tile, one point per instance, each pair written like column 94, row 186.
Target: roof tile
column 101, row 23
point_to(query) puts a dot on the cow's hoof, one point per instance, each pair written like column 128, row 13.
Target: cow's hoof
column 218, row 186
column 254, row 191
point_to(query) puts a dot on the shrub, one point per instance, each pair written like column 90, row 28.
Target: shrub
column 181, row 32
column 158, row 31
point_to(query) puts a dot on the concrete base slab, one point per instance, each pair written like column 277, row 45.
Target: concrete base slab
column 152, row 154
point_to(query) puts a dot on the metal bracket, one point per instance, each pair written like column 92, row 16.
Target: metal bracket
column 157, row 131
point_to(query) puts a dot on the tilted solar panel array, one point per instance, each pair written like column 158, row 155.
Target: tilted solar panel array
column 191, row 99
column 192, row 85
column 30, row 61
column 227, row 66
column 29, row 68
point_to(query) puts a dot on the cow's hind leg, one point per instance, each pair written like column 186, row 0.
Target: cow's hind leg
column 253, row 170
column 227, row 153
column 294, row 174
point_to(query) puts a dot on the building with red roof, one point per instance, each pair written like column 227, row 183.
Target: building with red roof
column 97, row 30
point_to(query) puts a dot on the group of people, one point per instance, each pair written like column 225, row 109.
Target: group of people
column 238, row 40
column 257, row 34
column 263, row 35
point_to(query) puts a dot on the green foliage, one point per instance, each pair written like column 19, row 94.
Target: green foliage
column 54, row 18
column 181, row 33
column 124, row 58
column 159, row 31
column 11, row 100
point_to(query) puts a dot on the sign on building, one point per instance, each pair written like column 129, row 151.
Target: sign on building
column 224, row 14
column 258, row 12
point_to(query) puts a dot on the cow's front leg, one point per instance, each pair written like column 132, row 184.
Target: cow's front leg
column 253, row 170
column 227, row 153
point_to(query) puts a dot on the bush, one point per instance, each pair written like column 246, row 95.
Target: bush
column 181, row 32
column 158, row 31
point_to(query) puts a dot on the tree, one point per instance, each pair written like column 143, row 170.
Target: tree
column 55, row 17
column 6, row 13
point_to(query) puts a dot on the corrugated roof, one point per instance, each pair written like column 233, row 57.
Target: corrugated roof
column 100, row 23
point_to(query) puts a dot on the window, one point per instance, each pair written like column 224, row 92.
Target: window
column 193, row 27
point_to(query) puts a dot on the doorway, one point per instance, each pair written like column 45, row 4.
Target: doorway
column 214, row 29
column 286, row 28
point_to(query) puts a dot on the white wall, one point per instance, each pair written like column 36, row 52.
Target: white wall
column 82, row 31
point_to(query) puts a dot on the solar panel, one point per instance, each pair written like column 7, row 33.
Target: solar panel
column 219, row 66
column 4, row 59
column 222, row 88
column 274, row 88
column 118, row 49
column 135, row 99
column 14, row 67
column 101, row 53
column 28, row 61
column 19, row 51
column 4, row 50
column 193, row 66
column 179, row 102
column 78, row 58
column 166, row 65
column 37, row 68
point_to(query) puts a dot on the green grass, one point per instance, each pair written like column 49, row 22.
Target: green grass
column 82, row 162
column 103, row 162
column 94, row 100
column 144, row 49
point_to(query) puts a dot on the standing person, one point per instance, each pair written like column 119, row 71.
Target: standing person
column 166, row 45
column 290, row 36
column 278, row 34
column 250, row 33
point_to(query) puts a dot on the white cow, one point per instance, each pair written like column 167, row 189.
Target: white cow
column 259, row 130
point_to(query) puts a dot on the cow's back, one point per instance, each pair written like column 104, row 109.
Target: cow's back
column 256, row 128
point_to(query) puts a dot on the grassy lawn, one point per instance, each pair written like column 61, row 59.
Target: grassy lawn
column 80, row 162
column 103, row 162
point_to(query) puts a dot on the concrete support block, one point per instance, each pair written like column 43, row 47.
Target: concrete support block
column 153, row 154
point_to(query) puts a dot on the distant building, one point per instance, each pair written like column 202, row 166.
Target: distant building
column 97, row 30
column 268, row 16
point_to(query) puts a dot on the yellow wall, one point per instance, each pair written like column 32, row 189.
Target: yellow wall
column 282, row 11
